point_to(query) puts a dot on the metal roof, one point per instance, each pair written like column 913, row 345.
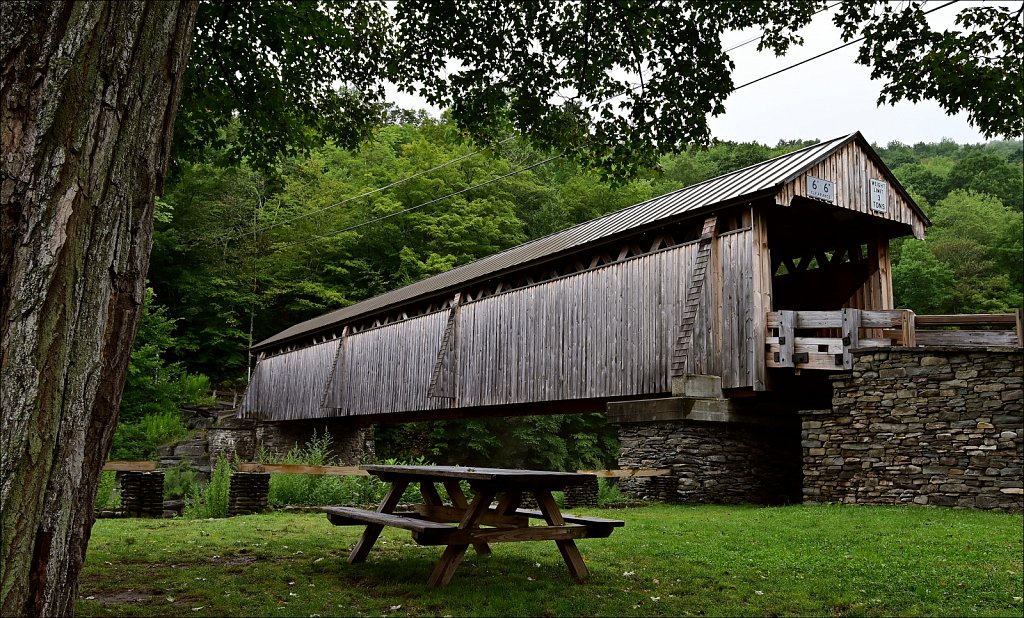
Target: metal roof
column 746, row 182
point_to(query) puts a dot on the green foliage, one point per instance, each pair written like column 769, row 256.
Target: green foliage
column 974, row 234
column 155, row 389
column 138, row 440
column 972, row 67
column 108, row 494
column 972, row 260
column 181, row 481
column 608, row 492
column 920, row 281
column 554, row 442
column 153, row 384
column 293, row 74
column 612, row 85
column 211, row 500
column 321, row 490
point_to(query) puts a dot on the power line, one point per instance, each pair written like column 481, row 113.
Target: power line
column 418, row 206
column 529, row 167
column 825, row 53
column 760, row 36
column 436, row 167
column 364, row 194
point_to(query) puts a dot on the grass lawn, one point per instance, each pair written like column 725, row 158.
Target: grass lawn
column 667, row 561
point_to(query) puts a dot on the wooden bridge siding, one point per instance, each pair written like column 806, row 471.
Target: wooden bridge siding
column 852, row 170
column 290, row 386
column 388, row 369
column 607, row 332
column 876, row 293
column 601, row 333
column 737, row 321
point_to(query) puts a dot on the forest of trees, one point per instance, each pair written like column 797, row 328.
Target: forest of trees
column 240, row 255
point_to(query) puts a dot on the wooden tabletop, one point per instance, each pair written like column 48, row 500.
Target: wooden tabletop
column 531, row 478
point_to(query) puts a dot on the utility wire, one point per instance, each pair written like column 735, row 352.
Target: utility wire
column 418, row 206
column 825, row 53
column 364, row 194
column 549, row 159
column 433, row 169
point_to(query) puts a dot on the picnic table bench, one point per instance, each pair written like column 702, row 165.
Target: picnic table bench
column 493, row 516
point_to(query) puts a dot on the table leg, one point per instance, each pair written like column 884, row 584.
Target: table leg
column 373, row 531
column 570, row 553
column 459, row 501
column 430, row 495
column 453, row 554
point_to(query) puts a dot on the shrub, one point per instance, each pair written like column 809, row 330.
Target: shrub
column 608, row 492
column 181, row 481
column 139, row 440
column 108, row 495
column 315, row 490
column 211, row 500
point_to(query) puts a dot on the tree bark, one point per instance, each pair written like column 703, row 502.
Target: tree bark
column 88, row 92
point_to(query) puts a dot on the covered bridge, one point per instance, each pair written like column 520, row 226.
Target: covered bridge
column 613, row 308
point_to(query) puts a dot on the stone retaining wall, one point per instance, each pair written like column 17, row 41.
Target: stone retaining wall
column 712, row 462
column 936, row 426
column 584, row 494
column 349, row 445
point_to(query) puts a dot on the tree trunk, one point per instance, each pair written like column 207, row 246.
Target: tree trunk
column 88, row 92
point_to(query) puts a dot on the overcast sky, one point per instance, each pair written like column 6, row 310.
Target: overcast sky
column 825, row 98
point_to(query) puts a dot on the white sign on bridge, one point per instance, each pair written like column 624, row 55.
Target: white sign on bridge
column 821, row 189
column 879, row 195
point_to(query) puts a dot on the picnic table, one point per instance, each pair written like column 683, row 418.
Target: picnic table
column 493, row 516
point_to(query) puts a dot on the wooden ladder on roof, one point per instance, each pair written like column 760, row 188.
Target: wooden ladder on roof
column 681, row 352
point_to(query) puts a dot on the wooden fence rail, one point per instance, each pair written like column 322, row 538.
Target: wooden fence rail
column 825, row 339
column 146, row 466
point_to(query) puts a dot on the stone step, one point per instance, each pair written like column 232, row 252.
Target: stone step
column 192, row 448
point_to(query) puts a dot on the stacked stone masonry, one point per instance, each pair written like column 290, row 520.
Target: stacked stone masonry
column 712, row 462
column 932, row 426
column 249, row 492
column 142, row 493
column 584, row 494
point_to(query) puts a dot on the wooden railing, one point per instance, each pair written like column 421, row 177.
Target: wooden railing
column 825, row 339
column 147, row 466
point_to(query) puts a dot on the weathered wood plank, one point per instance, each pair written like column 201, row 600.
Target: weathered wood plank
column 967, row 319
column 129, row 466
column 506, row 535
column 300, row 469
column 629, row 472
column 997, row 338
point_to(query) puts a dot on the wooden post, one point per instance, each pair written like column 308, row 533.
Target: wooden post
column 453, row 554
column 1020, row 328
column 570, row 553
column 787, row 337
column 851, row 335
column 762, row 296
column 910, row 328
